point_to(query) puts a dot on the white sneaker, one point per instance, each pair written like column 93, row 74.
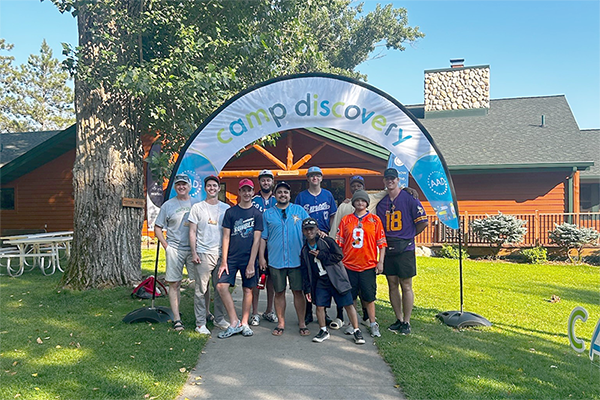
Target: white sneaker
column 222, row 325
column 375, row 330
column 203, row 330
column 349, row 330
column 255, row 320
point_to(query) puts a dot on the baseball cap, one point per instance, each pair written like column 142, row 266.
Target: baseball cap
column 357, row 178
column 284, row 184
column 266, row 172
column 313, row 171
column 393, row 172
column 246, row 182
column 182, row 178
column 309, row 223
column 212, row 178
column 360, row 195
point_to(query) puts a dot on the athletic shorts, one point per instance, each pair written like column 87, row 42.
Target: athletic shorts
column 176, row 259
column 325, row 291
column 293, row 275
column 363, row 283
column 233, row 269
column 403, row 265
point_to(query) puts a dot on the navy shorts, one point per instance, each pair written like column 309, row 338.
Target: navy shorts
column 233, row 269
column 325, row 291
column 363, row 283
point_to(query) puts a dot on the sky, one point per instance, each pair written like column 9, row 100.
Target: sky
column 533, row 48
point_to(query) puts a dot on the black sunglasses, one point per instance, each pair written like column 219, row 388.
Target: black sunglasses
column 283, row 213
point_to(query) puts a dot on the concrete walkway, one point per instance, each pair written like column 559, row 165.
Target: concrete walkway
column 290, row 366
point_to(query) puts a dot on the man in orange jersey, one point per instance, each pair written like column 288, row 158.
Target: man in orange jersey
column 361, row 237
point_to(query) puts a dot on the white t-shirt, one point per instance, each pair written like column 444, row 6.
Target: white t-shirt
column 209, row 221
column 173, row 217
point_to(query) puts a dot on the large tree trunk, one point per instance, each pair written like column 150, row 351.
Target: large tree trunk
column 106, row 247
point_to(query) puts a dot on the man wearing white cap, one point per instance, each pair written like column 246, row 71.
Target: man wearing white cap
column 173, row 216
column 242, row 227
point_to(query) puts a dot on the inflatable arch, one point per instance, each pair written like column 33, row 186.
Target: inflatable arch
column 324, row 101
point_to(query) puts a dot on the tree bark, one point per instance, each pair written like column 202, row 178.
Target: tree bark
column 106, row 248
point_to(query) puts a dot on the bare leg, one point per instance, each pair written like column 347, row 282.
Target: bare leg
column 321, row 317
column 351, row 311
column 371, row 311
column 246, row 304
column 395, row 298
column 280, row 308
column 223, row 289
column 300, row 305
column 255, row 295
column 174, row 297
column 270, row 295
column 408, row 298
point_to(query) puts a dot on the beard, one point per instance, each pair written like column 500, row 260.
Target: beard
column 268, row 190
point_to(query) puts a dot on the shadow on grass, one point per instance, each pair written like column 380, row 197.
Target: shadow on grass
column 494, row 362
column 58, row 343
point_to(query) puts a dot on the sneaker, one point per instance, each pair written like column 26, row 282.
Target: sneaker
column 349, row 330
column 271, row 317
column 375, row 330
column 210, row 317
column 246, row 331
column 222, row 325
column 203, row 330
column 321, row 336
column 255, row 320
column 395, row 327
column 336, row 324
column 232, row 330
column 405, row 329
column 358, row 337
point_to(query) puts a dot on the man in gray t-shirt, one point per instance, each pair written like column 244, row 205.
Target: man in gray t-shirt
column 173, row 217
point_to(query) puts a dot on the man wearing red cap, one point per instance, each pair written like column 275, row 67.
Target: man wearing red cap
column 242, row 228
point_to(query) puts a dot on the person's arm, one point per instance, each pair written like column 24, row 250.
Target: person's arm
column 421, row 227
column 195, row 256
column 158, row 233
column 224, row 251
column 250, row 270
column 262, row 261
column 379, row 267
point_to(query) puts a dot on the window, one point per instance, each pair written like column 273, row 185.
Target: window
column 7, row 199
column 590, row 197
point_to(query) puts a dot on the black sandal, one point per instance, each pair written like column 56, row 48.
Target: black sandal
column 178, row 325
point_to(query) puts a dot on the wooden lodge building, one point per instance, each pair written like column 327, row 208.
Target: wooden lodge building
column 521, row 156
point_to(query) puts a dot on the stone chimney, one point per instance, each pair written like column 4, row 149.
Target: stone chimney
column 457, row 90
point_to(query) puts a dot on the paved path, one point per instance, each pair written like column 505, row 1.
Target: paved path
column 290, row 366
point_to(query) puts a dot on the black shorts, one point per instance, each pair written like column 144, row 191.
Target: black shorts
column 364, row 284
column 403, row 265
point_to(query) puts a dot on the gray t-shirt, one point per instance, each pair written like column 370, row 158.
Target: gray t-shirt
column 209, row 218
column 173, row 217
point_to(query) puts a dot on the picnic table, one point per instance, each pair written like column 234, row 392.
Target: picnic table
column 41, row 249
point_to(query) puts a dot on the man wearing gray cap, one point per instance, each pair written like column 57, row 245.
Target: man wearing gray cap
column 173, row 217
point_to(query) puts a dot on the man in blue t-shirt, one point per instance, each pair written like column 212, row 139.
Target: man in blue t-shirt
column 320, row 204
column 242, row 227
column 264, row 200
column 282, row 236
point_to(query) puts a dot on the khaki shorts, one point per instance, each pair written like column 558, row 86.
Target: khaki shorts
column 279, row 278
column 176, row 259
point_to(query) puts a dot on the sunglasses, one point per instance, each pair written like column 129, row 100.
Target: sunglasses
column 284, row 214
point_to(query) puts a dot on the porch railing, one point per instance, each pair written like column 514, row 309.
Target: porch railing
column 538, row 226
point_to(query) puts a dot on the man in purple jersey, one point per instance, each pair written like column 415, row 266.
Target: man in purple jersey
column 403, row 219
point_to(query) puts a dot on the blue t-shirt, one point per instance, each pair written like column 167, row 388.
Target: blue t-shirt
column 319, row 207
column 242, row 223
column 284, row 236
column 261, row 204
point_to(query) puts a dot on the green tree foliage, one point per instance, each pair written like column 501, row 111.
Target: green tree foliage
column 498, row 230
column 451, row 251
column 165, row 66
column 7, row 74
column 571, row 237
column 35, row 96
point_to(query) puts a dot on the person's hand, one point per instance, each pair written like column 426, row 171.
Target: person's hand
column 347, row 201
column 196, row 258
column 379, row 268
column 223, row 268
column 250, row 271
column 314, row 252
column 262, row 263
column 322, row 234
column 308, row 297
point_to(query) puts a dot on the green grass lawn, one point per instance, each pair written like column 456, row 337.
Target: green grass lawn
column 525, row 354
column 61, row 344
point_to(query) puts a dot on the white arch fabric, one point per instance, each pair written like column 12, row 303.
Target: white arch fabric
column 322, row 101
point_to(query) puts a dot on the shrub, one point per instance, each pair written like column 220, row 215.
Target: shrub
column 536, row 255
column 569, row 236
column 448, row 251
column 498, row 230
column 593, row 259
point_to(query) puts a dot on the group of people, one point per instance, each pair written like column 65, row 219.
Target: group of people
column 317, row 248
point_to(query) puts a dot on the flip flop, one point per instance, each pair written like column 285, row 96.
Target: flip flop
column 278, row 331
column 178, row 325
column 304, row 332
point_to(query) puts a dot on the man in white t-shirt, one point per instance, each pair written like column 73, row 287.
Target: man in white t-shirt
column 206, row 223
column 173, row 217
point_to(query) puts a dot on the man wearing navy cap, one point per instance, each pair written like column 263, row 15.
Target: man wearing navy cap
column 173, row 217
